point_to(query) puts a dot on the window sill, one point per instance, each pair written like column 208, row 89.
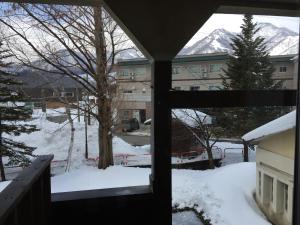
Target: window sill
column 101, row 193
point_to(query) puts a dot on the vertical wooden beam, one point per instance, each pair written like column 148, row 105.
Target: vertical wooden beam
column 161, row 141
column 296, row 197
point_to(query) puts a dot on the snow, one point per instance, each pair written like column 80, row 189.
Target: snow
column 190, row 117
column 89, row 178
column 54, row 138
column 219, row 193
column 278, row 125
column 3, row 185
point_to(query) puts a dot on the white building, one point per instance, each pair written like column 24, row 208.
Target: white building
column 275, row 167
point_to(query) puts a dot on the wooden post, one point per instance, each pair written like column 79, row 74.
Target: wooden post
column 246, row 154
column 161, row 141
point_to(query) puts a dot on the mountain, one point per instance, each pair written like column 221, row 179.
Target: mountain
column 217, row 41
column 279, row 40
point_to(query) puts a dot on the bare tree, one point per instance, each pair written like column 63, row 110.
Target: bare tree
column 200, row 126
column 71, row 41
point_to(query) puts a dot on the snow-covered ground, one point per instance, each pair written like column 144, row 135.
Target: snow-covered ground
column 219, row 193
column 54, row 138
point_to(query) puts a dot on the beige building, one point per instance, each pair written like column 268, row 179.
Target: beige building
column 192, row 72
column 275, row 167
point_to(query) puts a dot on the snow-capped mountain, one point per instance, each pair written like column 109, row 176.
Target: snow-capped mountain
column 279, row 40
column 217, row 41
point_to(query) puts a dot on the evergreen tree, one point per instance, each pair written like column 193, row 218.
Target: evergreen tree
column 11, row 115
column 248, row 68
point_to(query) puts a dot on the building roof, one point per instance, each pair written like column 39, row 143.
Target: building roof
column 276, row 126
column 202, row 57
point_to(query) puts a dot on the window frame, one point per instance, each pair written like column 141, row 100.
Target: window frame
column 164, row 100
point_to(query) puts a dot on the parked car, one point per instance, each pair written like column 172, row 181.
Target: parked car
column 130, row 125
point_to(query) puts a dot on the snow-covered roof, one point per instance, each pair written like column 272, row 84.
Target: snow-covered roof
column 191, row 117
column 276, row 126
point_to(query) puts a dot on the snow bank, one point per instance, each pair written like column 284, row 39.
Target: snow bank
column 54, row 138
column 283, row 123
column 224, row 194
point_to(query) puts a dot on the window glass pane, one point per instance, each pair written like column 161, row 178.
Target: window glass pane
column 89, row 109
column 221, row 155
column 215, row 57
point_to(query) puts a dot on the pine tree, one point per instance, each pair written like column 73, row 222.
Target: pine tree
column 12, row 116
column 249, row 67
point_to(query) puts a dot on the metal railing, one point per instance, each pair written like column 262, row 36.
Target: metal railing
column 27, row 199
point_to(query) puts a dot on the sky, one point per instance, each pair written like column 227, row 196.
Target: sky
column 232, row 22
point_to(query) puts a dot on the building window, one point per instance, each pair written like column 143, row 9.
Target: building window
column 66, row 94
column 282, row 69
column 177, row 88
column 204, row 71
column 195, row 69
column 140, row 71
column 268, row 190
column 259, row 183
column 214, row 88
column 195, row 88
column 175, row 70
column 124, row 72
column 215, row 68
column 127, row 91
column 285, row 197
column 282, row 198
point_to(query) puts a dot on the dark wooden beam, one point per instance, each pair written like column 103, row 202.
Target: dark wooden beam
column 161, row 141
column 205, row 99
column 20, row 204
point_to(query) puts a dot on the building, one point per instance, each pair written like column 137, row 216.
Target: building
column 158, row 32
column 275, row 167
column 189, row 73
column 49, row 88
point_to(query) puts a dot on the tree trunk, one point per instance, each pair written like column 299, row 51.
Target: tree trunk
column 1, row 162
column 78, row 107
column 105, row 138
column 246, row 154
column 103, row 91
column 71, row 139
column 211, row 163
column 86, row 136
column 2, row 169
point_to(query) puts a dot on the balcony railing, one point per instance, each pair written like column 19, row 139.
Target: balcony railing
column 27, row 199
